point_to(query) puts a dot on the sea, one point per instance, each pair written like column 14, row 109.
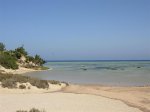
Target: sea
column 98, row 72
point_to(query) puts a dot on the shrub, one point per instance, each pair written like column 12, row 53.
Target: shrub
column 2, row 46
column 10, row 83
column 34, row 110
column 54, row 82
column 8, row 61
column 21, row 50
column 38, row 60
column 10, row 80
column 22, row 86
column 39, row 83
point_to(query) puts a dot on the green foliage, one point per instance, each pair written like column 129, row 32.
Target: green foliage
column 38, row 60
column 2, row 46
column 29, row 59
column 8, row 61
column 19, row 52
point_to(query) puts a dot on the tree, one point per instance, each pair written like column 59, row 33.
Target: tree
column 38, row 60
column 20, row 51
column 2, row 46
column 29, row 59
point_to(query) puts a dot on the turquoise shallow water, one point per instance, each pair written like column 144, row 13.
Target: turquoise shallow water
column 119, row 73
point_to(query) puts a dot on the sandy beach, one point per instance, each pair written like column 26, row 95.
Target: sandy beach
column 62, row 102
column 77, row 98
column 138, row 97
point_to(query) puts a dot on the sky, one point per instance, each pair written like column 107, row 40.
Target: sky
column 78, row 29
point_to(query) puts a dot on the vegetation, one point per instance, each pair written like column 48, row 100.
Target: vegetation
column 2, row 47
column 22, row 86
column 21, row 51
column 10, row 59
column 31, row 110
column 10, row 81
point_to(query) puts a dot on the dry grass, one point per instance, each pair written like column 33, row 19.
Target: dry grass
column 10, row 81
column 31, row 110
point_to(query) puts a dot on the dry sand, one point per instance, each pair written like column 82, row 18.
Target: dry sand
column 104, row 99
column 62, row 102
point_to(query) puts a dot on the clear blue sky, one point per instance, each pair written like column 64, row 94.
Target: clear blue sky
column 77, row 29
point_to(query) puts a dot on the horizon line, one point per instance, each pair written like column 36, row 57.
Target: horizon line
column 92, row 60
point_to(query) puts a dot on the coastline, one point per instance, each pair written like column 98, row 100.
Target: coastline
column 21, row 70
column 137, row 98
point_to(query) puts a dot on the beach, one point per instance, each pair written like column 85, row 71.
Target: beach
column 81, row 97
column 62, row 102
column 138, row 97
column 77, row 98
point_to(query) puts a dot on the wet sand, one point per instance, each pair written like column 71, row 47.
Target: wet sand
column 138, row 97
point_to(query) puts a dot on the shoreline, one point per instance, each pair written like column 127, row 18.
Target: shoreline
column 137, row 97
column 21, row 70
column 130, row 96
column 133, row 96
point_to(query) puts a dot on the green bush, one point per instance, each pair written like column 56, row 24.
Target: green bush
column 38, row 60
column 21, row 50
column 8, row 61
column 2, row 46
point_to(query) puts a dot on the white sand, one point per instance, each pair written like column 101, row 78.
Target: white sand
column 62, row 102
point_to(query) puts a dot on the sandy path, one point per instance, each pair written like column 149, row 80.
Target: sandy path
column 62, row 102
